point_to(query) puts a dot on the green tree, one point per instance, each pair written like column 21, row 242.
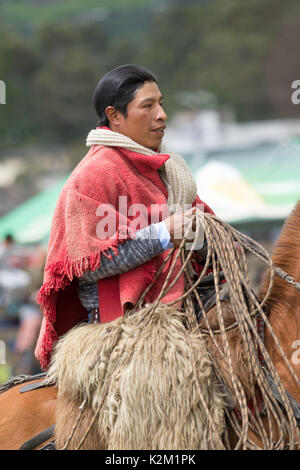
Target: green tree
column 74, row 59
column 18, row 64
column 222, row 47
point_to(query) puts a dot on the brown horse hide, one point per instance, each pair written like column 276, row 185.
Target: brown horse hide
column 23, row 415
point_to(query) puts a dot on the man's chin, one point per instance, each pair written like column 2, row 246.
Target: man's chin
column 151, row 145
column 156, row 145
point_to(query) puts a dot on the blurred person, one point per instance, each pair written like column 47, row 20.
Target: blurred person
column 30, row 319
column 14, row 280
column 20, row 274
column 8, row 241
column 8, row 251
column 99, row 258
column 13, row 254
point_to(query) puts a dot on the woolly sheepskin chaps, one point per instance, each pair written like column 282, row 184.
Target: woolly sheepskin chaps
column 149, row 376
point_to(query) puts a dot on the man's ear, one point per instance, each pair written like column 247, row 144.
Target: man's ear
column 112, row 115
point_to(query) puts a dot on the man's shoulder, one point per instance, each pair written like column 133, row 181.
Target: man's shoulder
column 101, row 164
column 97, row 159
column 101, row 156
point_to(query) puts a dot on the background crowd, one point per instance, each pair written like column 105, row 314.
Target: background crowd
column 20, row 316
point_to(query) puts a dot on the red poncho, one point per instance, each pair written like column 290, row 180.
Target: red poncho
column 105, row 174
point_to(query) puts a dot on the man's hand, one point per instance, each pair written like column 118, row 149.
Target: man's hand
column 177, row 225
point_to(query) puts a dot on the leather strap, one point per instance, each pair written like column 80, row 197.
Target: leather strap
column 33, row 386
column 38, row 439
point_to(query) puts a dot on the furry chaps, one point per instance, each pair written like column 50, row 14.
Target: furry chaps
column 151, row 378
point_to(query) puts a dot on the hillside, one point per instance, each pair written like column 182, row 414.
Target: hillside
column 27, row 15
column 238, row 53
column 38, row 11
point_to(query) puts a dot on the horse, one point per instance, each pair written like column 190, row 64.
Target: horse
column 283, row 303
column 25, row 415
column 283, row 306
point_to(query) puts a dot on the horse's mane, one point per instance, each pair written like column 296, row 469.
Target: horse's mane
column 285, row 256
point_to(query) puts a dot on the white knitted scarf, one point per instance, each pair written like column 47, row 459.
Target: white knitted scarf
column 175, row 173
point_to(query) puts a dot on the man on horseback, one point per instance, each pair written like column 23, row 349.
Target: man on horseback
column 101, row 256
column 102, row 260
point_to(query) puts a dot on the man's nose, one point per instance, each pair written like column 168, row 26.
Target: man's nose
column 161, row 114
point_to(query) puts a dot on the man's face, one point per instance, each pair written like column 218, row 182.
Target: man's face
column 145, row 120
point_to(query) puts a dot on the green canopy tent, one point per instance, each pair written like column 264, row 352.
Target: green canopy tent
column 31, row 221
column 252, row 185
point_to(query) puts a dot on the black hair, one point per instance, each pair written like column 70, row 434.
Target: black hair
column 118, row 87
column 9, row 238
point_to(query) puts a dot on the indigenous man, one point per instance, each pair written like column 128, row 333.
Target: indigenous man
column 101, row 256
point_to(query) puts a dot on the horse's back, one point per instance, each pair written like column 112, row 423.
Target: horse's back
column 23, row 415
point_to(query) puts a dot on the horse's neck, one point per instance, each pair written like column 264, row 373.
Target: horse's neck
column 286, row 255
column 284, row 300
